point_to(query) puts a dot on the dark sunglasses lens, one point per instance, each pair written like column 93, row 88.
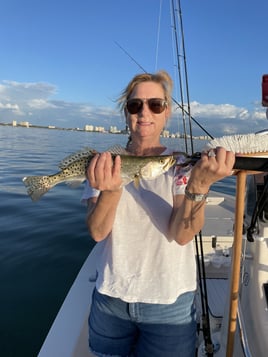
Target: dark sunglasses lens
column 157, row 106
column 134, row 105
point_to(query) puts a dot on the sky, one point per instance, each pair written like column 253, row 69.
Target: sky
column 65, row 63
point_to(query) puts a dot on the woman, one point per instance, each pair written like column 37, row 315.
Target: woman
column 143, row 304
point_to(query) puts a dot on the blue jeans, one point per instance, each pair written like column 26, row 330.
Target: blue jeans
column 121, row 329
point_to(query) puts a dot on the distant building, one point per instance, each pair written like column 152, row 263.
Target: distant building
column 114, row 130
column 100, row 129
column 14, row 123
column 25, row 123
column 165, row 133
column 89, row 128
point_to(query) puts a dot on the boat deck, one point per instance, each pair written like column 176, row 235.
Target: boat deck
column 217, row 291
column 77, row 303
column 217, row 241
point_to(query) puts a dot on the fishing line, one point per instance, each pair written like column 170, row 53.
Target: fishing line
column 133, row 59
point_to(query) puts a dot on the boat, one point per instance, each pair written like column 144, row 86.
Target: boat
column 68, row 335
column 232, row 260
column 251, row 314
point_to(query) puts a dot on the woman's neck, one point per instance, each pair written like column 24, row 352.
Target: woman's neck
column 139, row 149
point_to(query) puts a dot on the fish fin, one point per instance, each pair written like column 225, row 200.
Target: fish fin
column 137, row 182
column 75, row 183
column 85, row 152
column 36, row 186
column 88, row 151
column 118, row 150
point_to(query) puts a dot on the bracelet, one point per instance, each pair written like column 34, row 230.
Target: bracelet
column 196, row 197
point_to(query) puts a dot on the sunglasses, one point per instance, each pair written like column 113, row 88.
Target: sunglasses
column 156, row 105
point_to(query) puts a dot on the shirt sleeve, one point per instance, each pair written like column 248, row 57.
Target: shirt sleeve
column 181, row 176
column 88, row 192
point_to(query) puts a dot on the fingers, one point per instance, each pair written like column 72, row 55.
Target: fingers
column 214, row 165
column 117, row 166
column 100, row 168
column 103, row 173
column 230, row 160
column 219, row 155
column 225, row 159
column 90, row 174
column 105, row 164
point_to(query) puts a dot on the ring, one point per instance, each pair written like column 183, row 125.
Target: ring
column 211, row 153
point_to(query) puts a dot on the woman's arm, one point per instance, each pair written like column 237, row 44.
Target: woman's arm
column 188, row 216
column 104, row 175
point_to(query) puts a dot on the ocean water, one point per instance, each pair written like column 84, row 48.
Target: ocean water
column 43, row 244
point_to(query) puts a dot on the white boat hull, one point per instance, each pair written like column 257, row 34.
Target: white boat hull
column 68, row 336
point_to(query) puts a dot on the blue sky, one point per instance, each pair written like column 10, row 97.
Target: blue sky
column 59, row 63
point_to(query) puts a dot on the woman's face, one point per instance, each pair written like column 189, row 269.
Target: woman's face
column 145, row 123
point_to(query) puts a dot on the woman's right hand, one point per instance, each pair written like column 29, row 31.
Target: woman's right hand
column 103, row 173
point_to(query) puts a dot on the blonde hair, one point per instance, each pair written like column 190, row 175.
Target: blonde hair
column 161, row 77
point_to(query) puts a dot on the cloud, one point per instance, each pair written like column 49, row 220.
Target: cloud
column 226, row 119
column 226, row 111
column 213, row 110
column 14, row 108
column 34, row 102
column 17, row 98
column 40, row 104
column 23, row 91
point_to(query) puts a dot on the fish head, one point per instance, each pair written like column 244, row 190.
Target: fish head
column 157, row 166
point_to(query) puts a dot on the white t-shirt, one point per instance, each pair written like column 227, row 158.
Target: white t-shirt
column 137, row 262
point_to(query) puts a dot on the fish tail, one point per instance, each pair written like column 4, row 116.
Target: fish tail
column 37, row 186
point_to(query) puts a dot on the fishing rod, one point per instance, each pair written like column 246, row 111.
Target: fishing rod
column 173, row 99
column 179, row 73
column 181, row 62
column 248, row 163
column 204, row 296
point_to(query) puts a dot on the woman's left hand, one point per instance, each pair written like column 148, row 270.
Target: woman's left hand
column 214, row 165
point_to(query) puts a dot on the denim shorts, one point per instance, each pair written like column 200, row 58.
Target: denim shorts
column 120, row 329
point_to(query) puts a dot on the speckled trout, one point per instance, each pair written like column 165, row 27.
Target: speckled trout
column 73, row 169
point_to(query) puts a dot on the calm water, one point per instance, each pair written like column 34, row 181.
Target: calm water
column 42, row 244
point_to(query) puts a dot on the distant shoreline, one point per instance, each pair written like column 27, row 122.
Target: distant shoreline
column 50, row 127
column 122, row 132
